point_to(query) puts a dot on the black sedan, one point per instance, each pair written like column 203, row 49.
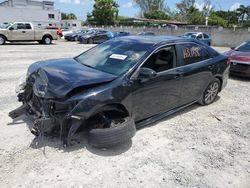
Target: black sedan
column 95, row 36
column 74, row 36
column 120, row 85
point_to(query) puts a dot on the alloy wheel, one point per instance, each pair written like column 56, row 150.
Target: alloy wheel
column 47, row 40
column 211, row 92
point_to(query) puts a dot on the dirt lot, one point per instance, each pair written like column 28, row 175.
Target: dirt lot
column 197, row 147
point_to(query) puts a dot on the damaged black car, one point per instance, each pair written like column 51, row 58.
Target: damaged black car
column 119, row 86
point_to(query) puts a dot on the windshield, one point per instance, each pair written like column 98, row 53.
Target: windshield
column 244, row 47
column 4, row 26
column 115, row 56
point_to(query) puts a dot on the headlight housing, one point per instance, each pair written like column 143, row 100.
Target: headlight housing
column 20, row 86
column 40, row 87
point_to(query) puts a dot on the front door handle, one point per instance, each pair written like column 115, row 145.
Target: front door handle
column 23, row 31
column 178, row 76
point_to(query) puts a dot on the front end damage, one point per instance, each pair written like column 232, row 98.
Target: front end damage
column 50, row 116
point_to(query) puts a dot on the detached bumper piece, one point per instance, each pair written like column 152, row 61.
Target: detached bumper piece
column 22, row 110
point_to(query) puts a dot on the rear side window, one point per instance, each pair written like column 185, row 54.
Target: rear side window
column 27, row 26
column 192, row 53
column 205, row 36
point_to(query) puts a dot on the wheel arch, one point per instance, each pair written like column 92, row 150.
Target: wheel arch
column 111, row 107
column 4, row 36
column 221, row 81
column 47, row 35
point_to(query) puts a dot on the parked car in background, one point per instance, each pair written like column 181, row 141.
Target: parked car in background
column 146, row 33
column 66, row 31
column 239, row 58
column 4, row 25
column 121, row 33
column 203, row 37
column 74, row 36
column 25, row 31
column 95, row 36
column 120, row 85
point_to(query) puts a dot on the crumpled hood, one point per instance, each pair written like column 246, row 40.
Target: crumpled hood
column 56, row 78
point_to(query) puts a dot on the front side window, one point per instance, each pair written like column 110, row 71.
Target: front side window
column 162, row 60
column 206, row 36
column 114, row 57
column 192, row 53
column 20, row 26
column 199, row 37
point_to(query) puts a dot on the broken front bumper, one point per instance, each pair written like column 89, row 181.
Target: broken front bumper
column 48, row 115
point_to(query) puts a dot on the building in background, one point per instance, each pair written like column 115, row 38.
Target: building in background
column 71, row 24
column 41, row 13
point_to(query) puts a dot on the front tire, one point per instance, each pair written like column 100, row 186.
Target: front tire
column 119, row 133
column 2, row 40
column 211, row 92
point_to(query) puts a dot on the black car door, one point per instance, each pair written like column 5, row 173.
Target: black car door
column 196, row 67
column 100, row 36
column 161, row 93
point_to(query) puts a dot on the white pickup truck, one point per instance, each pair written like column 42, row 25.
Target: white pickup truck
column 25, row 31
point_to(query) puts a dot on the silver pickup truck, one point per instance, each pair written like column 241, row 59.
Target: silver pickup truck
column 25, row 31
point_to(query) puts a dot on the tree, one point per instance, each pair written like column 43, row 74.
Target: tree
column 215, row 19
column 69, row 16
column 105, row 11
column 207, row 8
column 244, row 13
column 157, row 14
column 147, row 6
column 188, row 12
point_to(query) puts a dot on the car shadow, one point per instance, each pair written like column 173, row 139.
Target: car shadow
column 239, row 78
column 25, row 44
column 79, row 141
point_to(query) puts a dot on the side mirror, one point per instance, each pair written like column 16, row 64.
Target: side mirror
column 146, row 73
column 11, row 28
column 232, row 48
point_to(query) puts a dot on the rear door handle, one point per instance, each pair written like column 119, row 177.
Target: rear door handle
column 23, row 31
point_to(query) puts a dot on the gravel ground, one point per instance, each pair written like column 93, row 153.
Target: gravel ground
column 197, row 147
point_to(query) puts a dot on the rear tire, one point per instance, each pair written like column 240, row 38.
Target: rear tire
column 2, row 40
column 211, row 92
column 114, row 135
column 47, row 40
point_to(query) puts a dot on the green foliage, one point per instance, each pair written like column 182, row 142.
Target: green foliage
column 157, row 14
column 69, row 16
column 243, row 13
column 187, row 12
column 118, row 18
column 104, row 12
column 150, row 5
column 216, row 20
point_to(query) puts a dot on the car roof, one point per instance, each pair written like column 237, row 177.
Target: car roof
column 154, row 40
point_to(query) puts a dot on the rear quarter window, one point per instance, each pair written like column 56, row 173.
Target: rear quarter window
column 193, row 53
